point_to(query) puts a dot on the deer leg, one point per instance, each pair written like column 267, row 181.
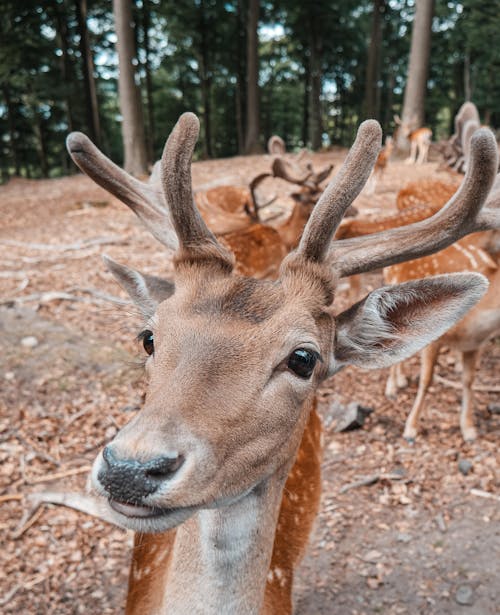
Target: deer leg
column 469, row 360
column 425, row 152
column 396, row 380
column 428, row 360
column 421, row 154
column 413, row 153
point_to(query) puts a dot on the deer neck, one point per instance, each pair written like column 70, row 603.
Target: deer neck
column 216, row 563
column 291, row 230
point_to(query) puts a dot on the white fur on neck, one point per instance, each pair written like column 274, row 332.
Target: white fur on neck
column 221, row 557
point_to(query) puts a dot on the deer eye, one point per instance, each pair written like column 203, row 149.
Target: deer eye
column 302, row 362
column 148, row 341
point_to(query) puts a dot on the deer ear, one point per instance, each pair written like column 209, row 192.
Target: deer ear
column 394, row 322
column 147, row 291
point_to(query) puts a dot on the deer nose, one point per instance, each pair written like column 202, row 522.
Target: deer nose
column 130, row 480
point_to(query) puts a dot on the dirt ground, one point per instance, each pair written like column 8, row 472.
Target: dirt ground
column 418, row 537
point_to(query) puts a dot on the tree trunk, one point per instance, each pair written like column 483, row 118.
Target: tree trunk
column 42, row 143
column 134, row 143
column 315, row 121
column 467, row 80
column 252, row 143
column 416, row 86
column 373, row 62
column 240, row 77
column 146, row 24
column 92, row 108
column 64, row 63
column 307, row 94
column 12, row 129
column 206, row 82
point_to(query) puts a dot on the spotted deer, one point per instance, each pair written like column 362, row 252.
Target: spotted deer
column 479, row 253
column 419, row 139
column 219, row 472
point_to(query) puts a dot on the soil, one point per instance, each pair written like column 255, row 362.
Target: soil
column 418, row 537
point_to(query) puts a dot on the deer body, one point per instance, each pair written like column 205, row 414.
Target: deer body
column 222, row 462
column 467, row 337
column 225, row 209
column 419, row 139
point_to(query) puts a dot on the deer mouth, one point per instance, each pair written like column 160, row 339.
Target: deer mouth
column 133, row 510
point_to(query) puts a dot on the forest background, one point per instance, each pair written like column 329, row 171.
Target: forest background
column 307, row 71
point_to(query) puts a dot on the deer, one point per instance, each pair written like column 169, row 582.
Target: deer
column 380, row 165
column 419, row 138
column 453, row 149
column 219, row 472
column 479, row 253
column 428, row 192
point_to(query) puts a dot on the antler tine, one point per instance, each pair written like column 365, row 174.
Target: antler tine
column 255, row 206
column 176, row 160
column 460, row 216
column 341, row 192
column 145, row 200
column 323, row 174
column 280, row 169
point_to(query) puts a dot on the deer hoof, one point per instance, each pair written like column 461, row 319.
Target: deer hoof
column 469, row 434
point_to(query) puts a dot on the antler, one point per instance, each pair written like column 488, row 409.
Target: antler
column 196, row 240
column 463, row 214
column 170, row 184
column 146, row 200
column 340, row 193
column 281, row 168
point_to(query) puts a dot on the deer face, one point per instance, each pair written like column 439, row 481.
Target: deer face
column 232, row 366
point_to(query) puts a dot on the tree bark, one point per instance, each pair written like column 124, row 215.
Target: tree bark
column 373, row 62
column 206, row 81
column 252, row 143
column 414, row 97
column 316, row 77
column 240, row 77
column 134, row 143
column 307, row 95
column 92, row 107
column 146, row 24
column 12, row 129
column 42, row 143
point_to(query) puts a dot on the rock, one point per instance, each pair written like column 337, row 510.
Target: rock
column 494, row 408
column 465, row 466
column 372, row 556
column 352, row 417
column 465, row 595
column 29, row 341
column 403, row 537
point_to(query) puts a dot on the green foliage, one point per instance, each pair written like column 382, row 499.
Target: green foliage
column 191, row 56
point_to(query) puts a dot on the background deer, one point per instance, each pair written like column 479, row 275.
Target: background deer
column 419, row 139
column 453, row 149
column 380, row 165
column 223, row 460
column 479, row 253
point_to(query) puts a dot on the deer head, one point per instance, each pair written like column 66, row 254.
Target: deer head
column 233, row 362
